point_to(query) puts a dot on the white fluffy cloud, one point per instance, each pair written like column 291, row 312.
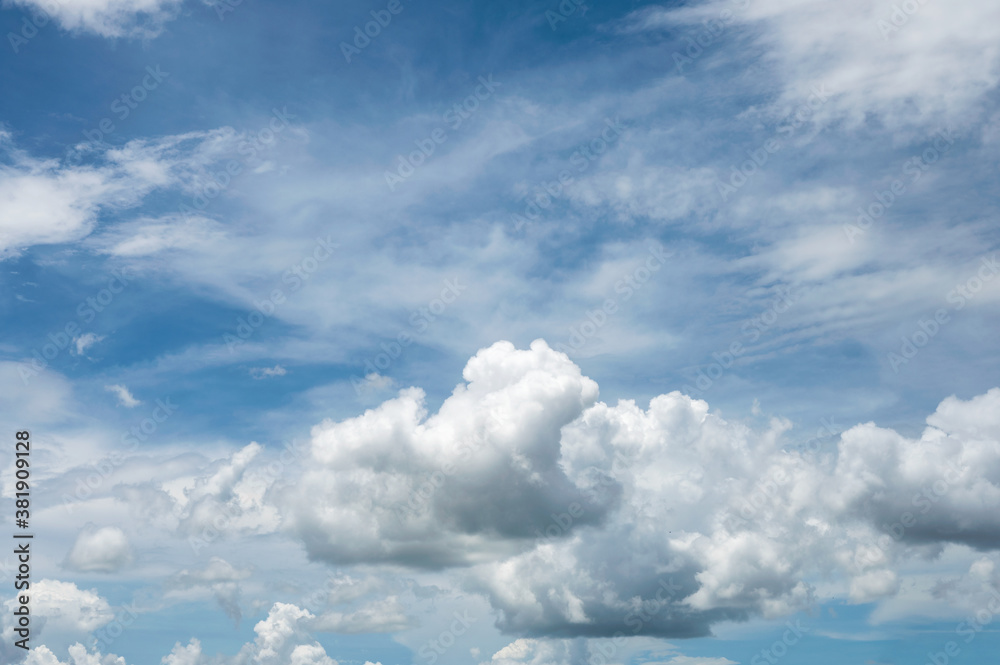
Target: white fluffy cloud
column 539, row 652
column 282, row 639
column 479, row 476
column 104, row 550
column 229, row 499
column 572, row 517
column 44, row 203
column 78, row 655
column 581, row 518
column 62, row 614
column 68, row 608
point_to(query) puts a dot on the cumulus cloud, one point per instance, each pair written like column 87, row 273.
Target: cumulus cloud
column 107, row 18
column 580, row 518
column 230, row 498
column 281, row 639
column 78, row 655
column 575, row 518
column 184, row 655
column 69, row 608
column 540, row 652
column 379, row 487
column 104, row 550
column 62, row 615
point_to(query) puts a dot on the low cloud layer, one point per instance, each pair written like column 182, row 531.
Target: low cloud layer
column 578, row 518
column 571, row 517
column 281, row 639
column 104, row 550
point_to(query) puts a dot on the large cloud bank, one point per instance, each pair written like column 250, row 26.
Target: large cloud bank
column 573, row 518
column 577, row 518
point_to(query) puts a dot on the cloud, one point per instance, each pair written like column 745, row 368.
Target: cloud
column 378, row 478
column 634, row 189
column 694, row 660
column 573, row 652
column 579, row 518
column 281, row 639
column 50, row 396
column 383, row 616
column 374, row 382
column 85, row 341
column 562, row 509
column 62, row 613
column 107, row 18
column 227, row 499
column 220, row 578
column 929, row 66
column 148, row 236
column 873, row 585
column 267, row 372
column 217, row 570
column 975, row 418
column 48, row 201
column 104, row 550
column 539, row 652
column 345, row 589
column 184, row 655
column 78, row 655
column 125, row 398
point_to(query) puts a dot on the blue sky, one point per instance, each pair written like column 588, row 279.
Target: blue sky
column 264, row 279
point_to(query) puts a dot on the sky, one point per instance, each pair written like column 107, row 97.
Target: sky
column 501, row 333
